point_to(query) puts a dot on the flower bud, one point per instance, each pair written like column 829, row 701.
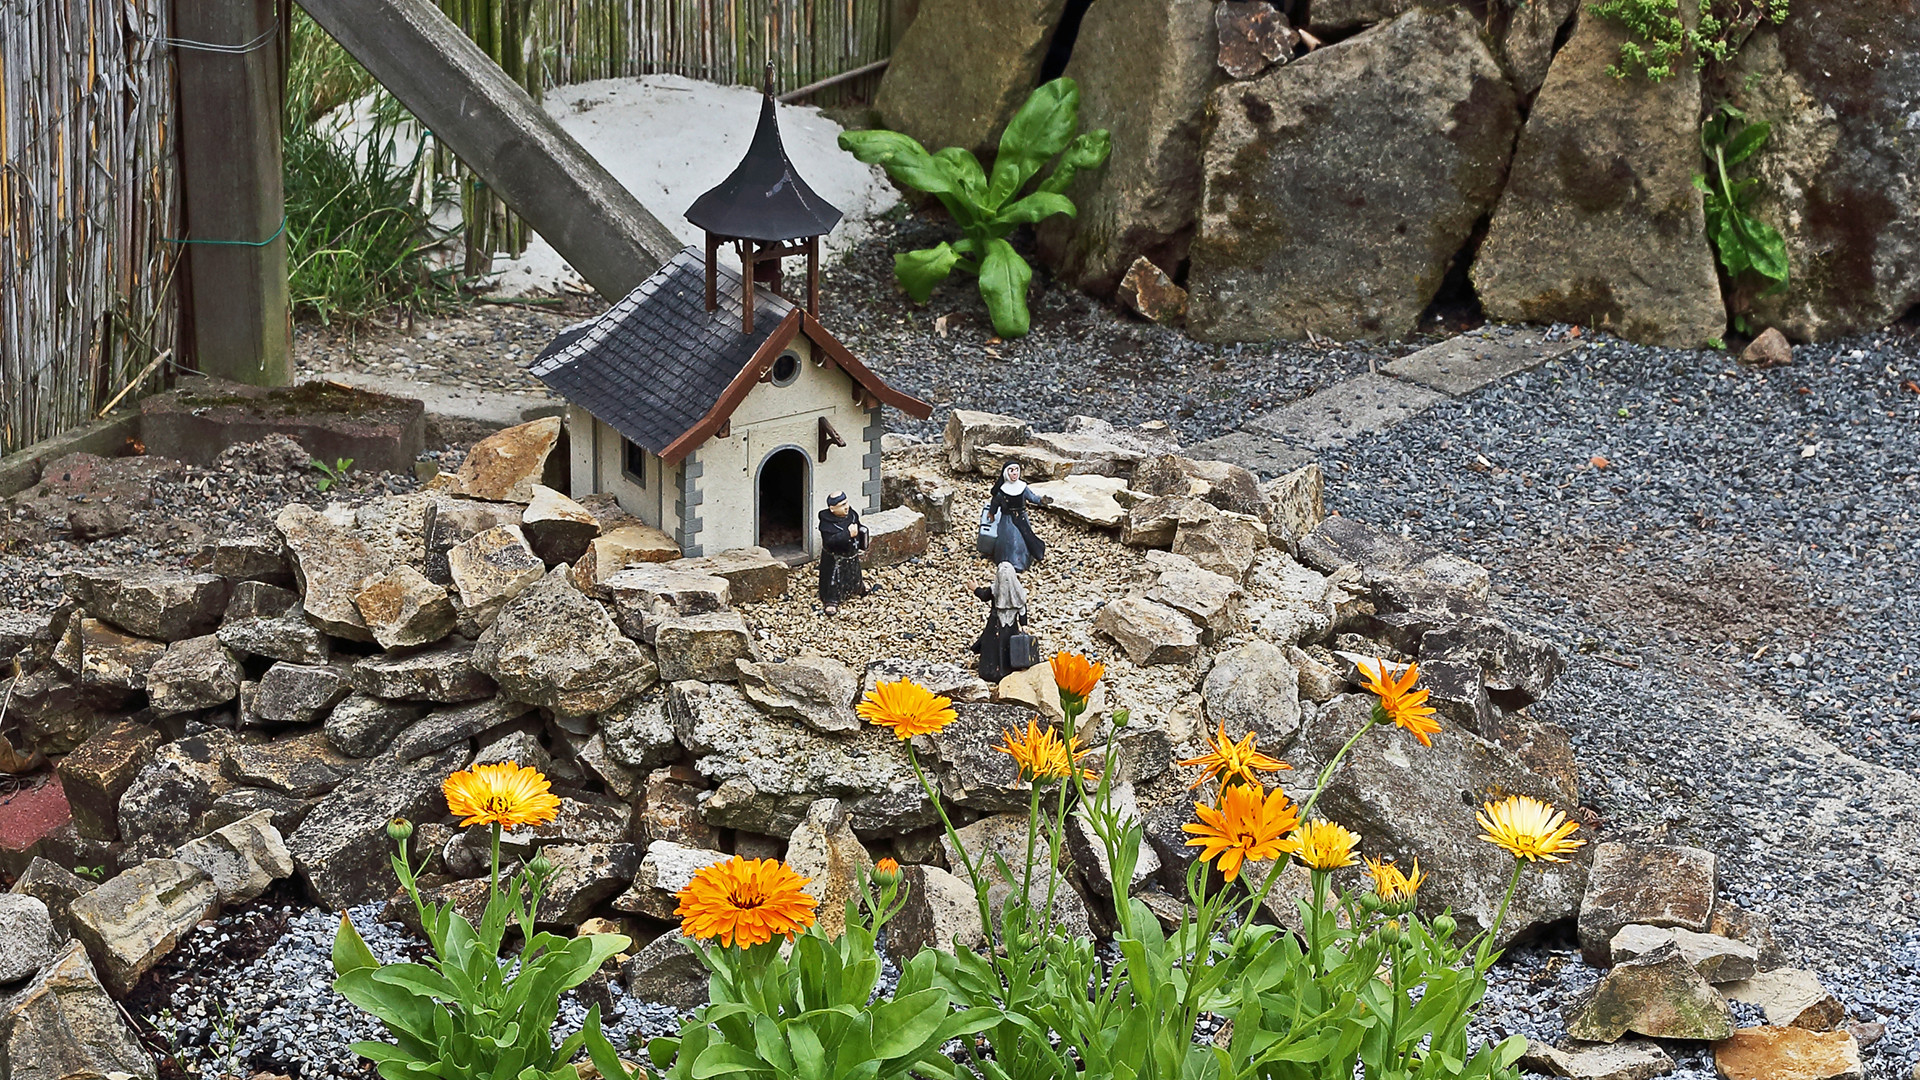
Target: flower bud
column 1369, row 903
column 541, row 866
column 886, row 873
column 399, row 829
column 1390, row 933
column 1444, row 926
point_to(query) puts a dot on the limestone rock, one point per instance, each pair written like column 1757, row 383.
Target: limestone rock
column 54, row 886
column 1153, row 522
column 947, row 680
column 616, row 549
column 442, row 673
column 1210, row 599
column 453, row 726
column 1770, row 349
column 1090, row 852
column 251, row 558
column 1652, row 884
column 1005, row 835
column 1253, row 34
column 1411, row 801
column 1254, row 689
column 967, row 431
column 824, row 850
column 160, row 809
column 1318, row 682
column 244, row 858
column 639, row 735
column 895, row 536
column 940, row 911
column 1518, row 668
column 1412, row 183
column 554, row 647
column 402, row 608
column 1730, row 920
column 506, row 465
column 666, row 970
column 330, row 563
column 1144, row 68
column 1294, row 503
column 644, row 594
column 362, row 725
column 488, row 570
column 448, row 522
column 1225, row 543
column 816, row 690
column 63, row 1026
column 963, row 762
column 1717, row 959
column 1837, row 177
column 263, row 620
column 195, row 673
column 1600, row 224
column 1089, row 500
column 621, row 782
column 303, row 765
column 963, row 69
column 670, row 808
column 108, row 659
column 133, row 919
column 1657, row 994
column 1220, row 484
column 583, row 876
column 666, row 869
column 1149, row 633
column 1632, row 1059
column 149, row 603
column 521, row 747
column 284, row 812
column 26, row 936
column 920, row 489
column 292, row 694
column 98, row 772
column 1788, row 1053
column 56, row 714
column 1148, row 292
column 341, row 850
column 1792, row 997
column 752, row 574
column 557, row 528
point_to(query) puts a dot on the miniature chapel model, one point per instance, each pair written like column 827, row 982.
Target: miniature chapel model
column 719, row 413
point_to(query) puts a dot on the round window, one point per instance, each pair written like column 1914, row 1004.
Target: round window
column 786, row 369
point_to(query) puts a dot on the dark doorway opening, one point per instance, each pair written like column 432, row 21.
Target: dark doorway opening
column 782, row 499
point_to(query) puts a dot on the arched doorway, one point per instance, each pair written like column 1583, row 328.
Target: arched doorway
column 781, row 502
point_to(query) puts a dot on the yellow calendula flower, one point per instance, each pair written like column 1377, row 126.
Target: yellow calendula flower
column 1041, row 754
column 1249, row 825
column 1403, row 705
column 745, row 902
column 1528, row 829
column 886, row 872
column 1323, row 845
column 1075, row 675
column 907, row 707
column 508, row 795
column 1397, row 890
column 1227, row 761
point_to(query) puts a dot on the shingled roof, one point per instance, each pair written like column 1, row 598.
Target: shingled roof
column 665, row 372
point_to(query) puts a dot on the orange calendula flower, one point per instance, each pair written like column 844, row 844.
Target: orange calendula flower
column 745, row 902
column 1323, row 845
column 1248, row 826
column 1393, row 887
column 907, row 707
column 1075, row 675
column 1528, row 829
column 1227, row 760
column 1401, row 703
column 508, row 795
column 886, row 872
column 1041, row 754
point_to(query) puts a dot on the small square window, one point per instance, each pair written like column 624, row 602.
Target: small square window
column 636, row 463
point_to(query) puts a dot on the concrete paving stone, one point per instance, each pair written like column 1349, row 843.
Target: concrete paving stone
column 1335, row 416
column 1262, row 454
column 1461, row 365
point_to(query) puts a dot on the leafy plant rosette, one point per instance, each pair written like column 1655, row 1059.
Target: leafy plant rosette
column 464, row 1013
column 1745, row 244
column 988, row 208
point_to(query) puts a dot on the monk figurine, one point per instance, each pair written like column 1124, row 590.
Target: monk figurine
column 842, row 540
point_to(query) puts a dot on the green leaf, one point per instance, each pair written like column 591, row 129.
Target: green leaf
column 720, row 1059
column 1087, row 151
column 1035, row 134
column 350, row 952
column 903, row 1024
column 1749, row 140
column 1768, row 251
column 904, row 159
column 417, row 978
column 1040, row 204
column 919, row 271
column 1004, row 277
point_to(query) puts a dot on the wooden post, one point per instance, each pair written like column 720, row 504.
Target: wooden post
column 235, row 299
column 494, row 126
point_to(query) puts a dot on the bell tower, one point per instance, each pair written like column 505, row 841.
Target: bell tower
column 769, row 214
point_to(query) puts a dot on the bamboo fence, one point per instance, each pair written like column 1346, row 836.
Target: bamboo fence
column 87, row 196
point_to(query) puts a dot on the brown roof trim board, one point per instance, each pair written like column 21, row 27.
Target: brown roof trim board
column 796, row 321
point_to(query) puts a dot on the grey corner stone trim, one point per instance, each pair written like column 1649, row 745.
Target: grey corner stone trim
column 690, row 498
column 876, row 427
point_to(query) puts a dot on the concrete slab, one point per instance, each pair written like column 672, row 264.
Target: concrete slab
column 493, row 408
column 201, row 417
column 1335, row 416
column 1461, row 365
column 1263, row 454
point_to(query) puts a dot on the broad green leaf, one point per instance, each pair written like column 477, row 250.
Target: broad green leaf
column 721, row 1059
column 395, row 1006
column 903, row 1024
column 901, row 156
column 1743, row 145
column 1004, row 276
column 418, row 978
column 919, row 271
column 1035, row 134
column 1039, row 205
column 1088, row 150
column 350, row 952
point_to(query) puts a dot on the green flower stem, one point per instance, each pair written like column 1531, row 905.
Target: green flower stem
column 1326, row 774
column 494, row 881
column 1033, row 830
column 1266, row 886
column 1483, row 958
column 1070, row 710
column 979, row 889
column 1320, row 879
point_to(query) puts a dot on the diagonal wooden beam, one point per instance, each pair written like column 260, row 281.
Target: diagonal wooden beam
column 535, row 167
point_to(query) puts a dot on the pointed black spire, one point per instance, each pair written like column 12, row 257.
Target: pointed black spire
column 764, row 199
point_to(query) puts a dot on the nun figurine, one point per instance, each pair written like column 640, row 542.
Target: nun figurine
column 842, row 539
column 1009, row 613
column 1016, row 543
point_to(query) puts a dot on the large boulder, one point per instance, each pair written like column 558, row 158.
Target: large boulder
column 1220, row 484
column 54, row 886
column 341, row 849
column 265, row 620
column 967, row 432
column 162, row 604
column 453, row 726
column 558, row 528
column 965, row 763
column 1254, row 689
column 752, row 574
column 136, row 918
column 362, row 725
column 964, row 67
column 1144, row 68
column 303, row 766
column 1412, row 801
column 554, row 647
column 816, row 690
column 1790, row 997
column 442, row 673
column 487, row 570
column 1340, row 187
column 940, row 911
column 1087, row 499
column 448, row 521
column 64, row 1026
column 506, row 465
column 106, row 659
column 583, row 876
column 402, row 608
column 293, row 694
column 703, row 647
column 1210, row 599
column 1148, row 632
column 330, row 562
column 161, row 808
column 1600, row 223
column 1840, row 176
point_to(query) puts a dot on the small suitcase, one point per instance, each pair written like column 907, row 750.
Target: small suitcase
column 1022, row 652
column 989, row 537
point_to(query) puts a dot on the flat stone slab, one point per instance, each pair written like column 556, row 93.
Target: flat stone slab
column 202, row 417
column 1341, row 413
column 1461, row 365
column 1262, row 454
